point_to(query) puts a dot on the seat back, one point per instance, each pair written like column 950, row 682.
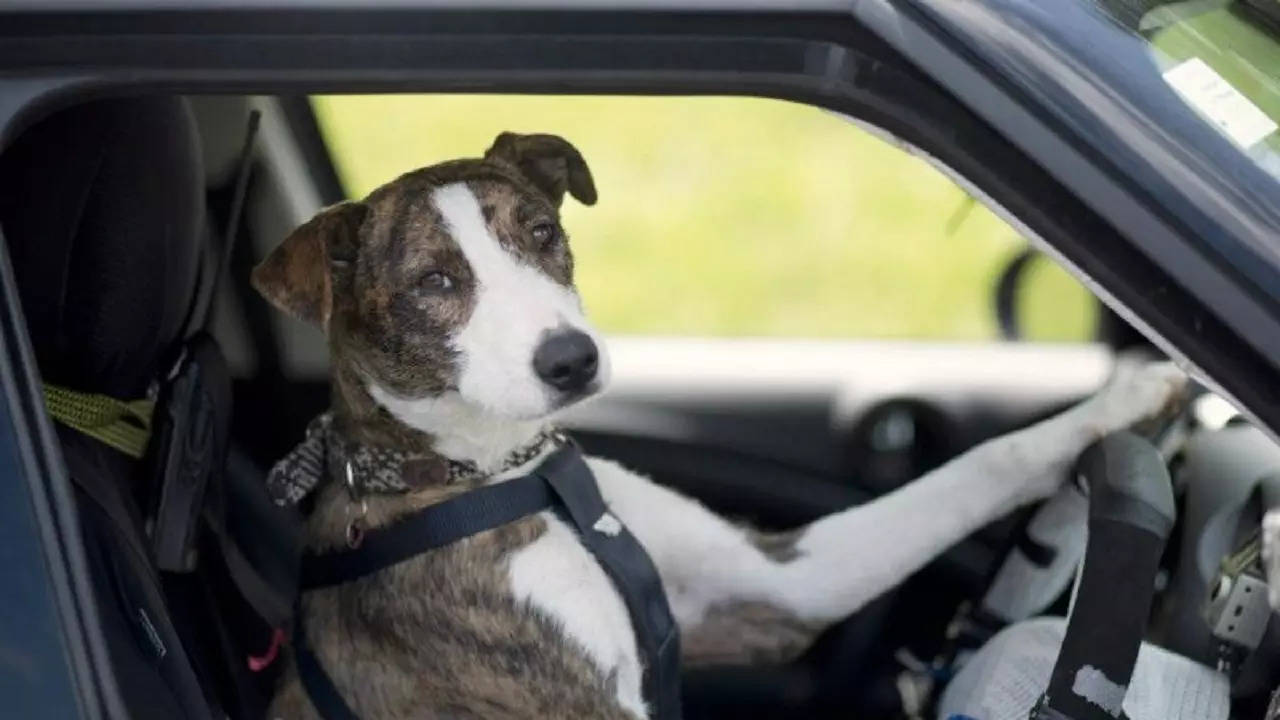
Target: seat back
column 102, row 208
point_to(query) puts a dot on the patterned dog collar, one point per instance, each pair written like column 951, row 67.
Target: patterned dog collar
column 378, row 469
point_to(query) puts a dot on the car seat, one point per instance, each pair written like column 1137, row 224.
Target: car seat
column 101, row 207
column 103, row 211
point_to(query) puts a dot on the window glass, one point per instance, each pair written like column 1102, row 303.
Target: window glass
column 734, row 216
column 1222, row 57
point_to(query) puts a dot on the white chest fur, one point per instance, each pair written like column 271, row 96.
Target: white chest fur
column 559, row 577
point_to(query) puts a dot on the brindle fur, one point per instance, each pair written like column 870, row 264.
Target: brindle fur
column 746, row 632
column 736, row 633
column 441, row 636
column 440, row 633
column 777, row 546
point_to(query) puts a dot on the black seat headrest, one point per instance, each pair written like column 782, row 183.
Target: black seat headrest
column 102, row 208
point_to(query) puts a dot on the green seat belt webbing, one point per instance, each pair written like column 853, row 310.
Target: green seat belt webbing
column 125, row 426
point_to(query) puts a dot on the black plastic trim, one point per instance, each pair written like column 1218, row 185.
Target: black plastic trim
column 305, row 128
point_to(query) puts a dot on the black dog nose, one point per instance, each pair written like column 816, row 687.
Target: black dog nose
column 567, row 360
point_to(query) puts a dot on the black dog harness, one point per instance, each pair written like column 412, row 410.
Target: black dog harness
column 562, row 482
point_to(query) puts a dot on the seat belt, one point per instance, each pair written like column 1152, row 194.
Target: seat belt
column 562, row 482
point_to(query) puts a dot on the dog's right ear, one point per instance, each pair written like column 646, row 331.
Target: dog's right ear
column 297, row 277
column 550, row 162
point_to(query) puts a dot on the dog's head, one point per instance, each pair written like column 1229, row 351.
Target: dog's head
column 453, row 282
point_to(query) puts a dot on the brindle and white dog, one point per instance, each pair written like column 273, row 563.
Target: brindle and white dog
column 456, row 333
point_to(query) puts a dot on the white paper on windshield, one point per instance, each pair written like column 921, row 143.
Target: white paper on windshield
column 1234, row 114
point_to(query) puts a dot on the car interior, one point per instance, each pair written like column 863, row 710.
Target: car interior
column 131, row 225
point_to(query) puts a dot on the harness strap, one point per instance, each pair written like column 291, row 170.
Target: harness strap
column 632, row 572
column 324, row 696
column 563, row 480
column 435, row 526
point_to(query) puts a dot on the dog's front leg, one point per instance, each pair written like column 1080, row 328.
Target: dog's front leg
column 745, row 596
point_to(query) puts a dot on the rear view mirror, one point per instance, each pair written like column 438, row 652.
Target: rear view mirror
column 1036, row 299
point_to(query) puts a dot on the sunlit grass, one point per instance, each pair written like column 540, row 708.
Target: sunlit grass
column 730, row 216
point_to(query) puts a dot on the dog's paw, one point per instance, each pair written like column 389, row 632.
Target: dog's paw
column 1138, row 392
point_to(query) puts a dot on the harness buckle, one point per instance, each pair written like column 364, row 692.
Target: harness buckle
column 355, row 523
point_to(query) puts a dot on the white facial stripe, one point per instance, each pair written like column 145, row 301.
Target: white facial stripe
column 500, row 402
column 490, row 264
column 515, row 305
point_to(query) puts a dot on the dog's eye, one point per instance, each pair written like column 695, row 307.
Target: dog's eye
column 436, row 281
column 547, row 235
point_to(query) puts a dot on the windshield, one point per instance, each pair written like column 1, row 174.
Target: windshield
column 1222, row 57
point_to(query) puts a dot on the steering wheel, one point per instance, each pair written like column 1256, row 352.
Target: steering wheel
column 1082, row 668
column 1228, row 476
column 1043, row 562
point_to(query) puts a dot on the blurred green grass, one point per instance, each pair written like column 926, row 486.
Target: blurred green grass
column 733, row 216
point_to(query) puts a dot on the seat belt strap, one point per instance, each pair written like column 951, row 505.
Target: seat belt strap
column 265, row 600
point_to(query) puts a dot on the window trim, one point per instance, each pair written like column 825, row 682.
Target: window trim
column 300, row 116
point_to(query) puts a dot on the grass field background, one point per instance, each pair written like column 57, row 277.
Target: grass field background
column 733, row 216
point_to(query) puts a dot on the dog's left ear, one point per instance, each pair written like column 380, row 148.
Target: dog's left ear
column 297, row 277
column 550, row 163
